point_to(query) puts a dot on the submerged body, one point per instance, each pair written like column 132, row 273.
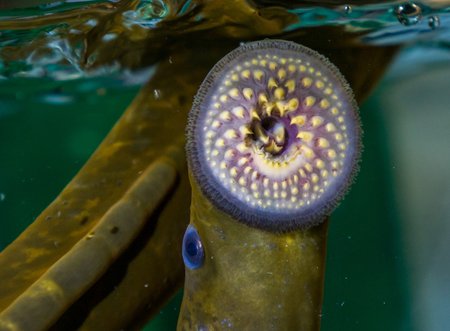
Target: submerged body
column 252, row 279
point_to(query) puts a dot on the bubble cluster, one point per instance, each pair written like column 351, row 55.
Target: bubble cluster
column 273, row 137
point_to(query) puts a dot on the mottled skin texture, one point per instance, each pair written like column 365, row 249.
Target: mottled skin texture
column 252, row 279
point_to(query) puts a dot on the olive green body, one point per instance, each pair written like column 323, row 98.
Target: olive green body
column 252, row 279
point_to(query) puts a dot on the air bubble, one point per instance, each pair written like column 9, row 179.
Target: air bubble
column 347, row 9
column 156, row 94
column 408, row 13
column 2, row 196
column 434, row 22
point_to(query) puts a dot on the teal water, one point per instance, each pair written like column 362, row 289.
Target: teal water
column 59, row 98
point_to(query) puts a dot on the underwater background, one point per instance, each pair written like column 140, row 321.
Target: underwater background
column 388, row 265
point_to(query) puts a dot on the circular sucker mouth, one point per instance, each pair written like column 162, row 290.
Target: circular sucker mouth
column 274, row 136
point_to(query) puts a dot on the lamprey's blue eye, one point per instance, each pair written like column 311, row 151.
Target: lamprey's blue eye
column 193, row 253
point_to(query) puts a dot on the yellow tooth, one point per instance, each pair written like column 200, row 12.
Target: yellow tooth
column 306, row 136
column 248, row 93
column 233, row 172
column 238, row 112
column 320, row 164
column 330, row 127
column 262, row 98
column 309, row 101
column 230, row 134
column 323, row 143
column 331, row 153
column 320, row 84
column 272, row 83
column 324, row 104
column 220, row 142
column 242, row 161
column 316, row 121
column 241, row 148
column 244, row 130
column 281, row 74
column 225, row 116
column 255, row 115
column 234, row 93
column 229, row 154
column 258, row 74
column 290, row 85
column 306, row 82
column 298, row 120
column 292, row 104
column 279, row 93
column 308, row 152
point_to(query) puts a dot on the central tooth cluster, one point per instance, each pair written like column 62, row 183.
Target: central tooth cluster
column 275, row 131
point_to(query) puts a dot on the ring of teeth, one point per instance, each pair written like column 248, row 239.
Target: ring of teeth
column 274, row 131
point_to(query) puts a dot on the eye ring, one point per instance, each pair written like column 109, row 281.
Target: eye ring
column 192, row 250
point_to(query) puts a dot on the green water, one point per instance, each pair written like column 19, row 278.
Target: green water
column 59, row 96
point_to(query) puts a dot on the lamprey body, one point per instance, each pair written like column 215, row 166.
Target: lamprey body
column 273, row 145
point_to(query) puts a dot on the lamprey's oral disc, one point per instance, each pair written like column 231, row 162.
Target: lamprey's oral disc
column 274, row 135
